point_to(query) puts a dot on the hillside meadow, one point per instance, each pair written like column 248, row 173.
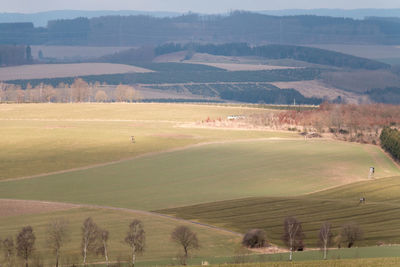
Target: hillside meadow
column 45, row 138
column 210, row 172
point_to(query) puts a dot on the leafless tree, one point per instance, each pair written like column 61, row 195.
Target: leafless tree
column 57, row 235
column 325, row 237
column 8, row 245
column 102, row 247
column 351, row 233
column 25, row 243
column 89, row 237
column 101, row 96
column 293, row 235
column 136, row 238
column 183, row 236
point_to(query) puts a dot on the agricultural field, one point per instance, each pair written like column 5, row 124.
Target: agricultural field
column 378, row 217
column 78, row 160
column 159, row 246
column 244, row 67
column 234, row 169
column 41, row 71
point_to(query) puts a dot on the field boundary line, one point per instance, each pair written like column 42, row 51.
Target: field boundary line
column 149, row 154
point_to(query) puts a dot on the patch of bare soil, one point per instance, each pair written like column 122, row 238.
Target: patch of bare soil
column 269, row 250
column 320, row 90
column 11, row 207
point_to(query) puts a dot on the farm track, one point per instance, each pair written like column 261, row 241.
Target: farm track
column 146, row 155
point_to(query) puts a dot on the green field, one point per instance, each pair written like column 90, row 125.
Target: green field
column 158, row 229
column 236, row 179
column 379, row 217
column 42, row 138
column 210, row 173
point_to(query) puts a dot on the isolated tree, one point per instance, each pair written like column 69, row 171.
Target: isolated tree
column 89, row 237
column 183, row 236
column 57, row 236
column 255, row 238
column 102, row 248
column 293, row 235
column 25, row 243
column 325, row 237
column 8, row 247
column 136, row 239
column 351, row 232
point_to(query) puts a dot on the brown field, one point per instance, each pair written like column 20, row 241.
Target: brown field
column 74, row 52
column 320, row 90
column 10, row 207
column 64, row 70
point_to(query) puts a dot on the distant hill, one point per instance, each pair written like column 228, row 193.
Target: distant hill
column 41, row 19
column 239, row 26
column 342, row 13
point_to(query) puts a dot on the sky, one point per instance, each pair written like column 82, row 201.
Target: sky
column 199, row 6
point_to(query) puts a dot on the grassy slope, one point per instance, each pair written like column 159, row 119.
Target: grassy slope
column 158, row 243
column 210, row 173
column 379, row 217
column 50, row 137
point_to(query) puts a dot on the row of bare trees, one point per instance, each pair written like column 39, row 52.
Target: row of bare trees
column 293, row 236
column 78, row 91
column 94, row 241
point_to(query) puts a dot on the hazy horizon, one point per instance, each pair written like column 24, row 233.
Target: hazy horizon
column 204, row 6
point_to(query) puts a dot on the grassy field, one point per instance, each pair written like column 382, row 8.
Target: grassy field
column 210, row 173
column 41, row 71
column 377, row 262
column 379, row 217
column 51, row 137
column 158, row 244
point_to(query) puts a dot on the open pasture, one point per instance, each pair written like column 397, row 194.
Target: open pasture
column 158, row 229
column 210, row 173
column 41, row 71
column 379, row 217
column 43, row 138
column 244, row 67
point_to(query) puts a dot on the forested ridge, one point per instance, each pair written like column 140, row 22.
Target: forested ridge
column 236, row 27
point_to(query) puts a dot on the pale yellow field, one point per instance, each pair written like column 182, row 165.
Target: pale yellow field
column 64, row 70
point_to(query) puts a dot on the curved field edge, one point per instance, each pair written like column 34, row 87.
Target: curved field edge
column 209, row 173
column 158, row 229
column 378, row 217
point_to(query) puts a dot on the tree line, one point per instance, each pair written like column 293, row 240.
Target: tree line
column 293, row 236
column 240, row 26
column 78, row 91
column 94, row 241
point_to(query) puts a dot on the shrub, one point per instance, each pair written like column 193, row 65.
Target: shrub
column 255, row 238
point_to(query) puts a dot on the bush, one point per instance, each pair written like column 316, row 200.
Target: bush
column 255, row 238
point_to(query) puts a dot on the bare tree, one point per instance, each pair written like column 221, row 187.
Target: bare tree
column 293, row 235
column 351, row 233
column 25, row 243
column 8, row 245
column 325, row 237
column 57, row 235
column 136, row 238
column 102, row 247
column 182, row 235
column 89, row 237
